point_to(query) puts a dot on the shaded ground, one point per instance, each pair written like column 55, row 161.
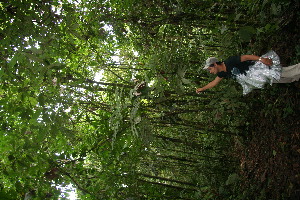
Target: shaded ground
column 270, row 155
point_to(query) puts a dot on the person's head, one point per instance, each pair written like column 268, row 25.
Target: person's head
column 211, row 65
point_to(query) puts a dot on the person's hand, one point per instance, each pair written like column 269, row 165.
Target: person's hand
column 198, row 90
column 267, row 61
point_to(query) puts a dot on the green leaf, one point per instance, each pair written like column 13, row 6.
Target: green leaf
column 33, row 101
column 223, row 28
column 232, row 179
column 246, row 33
column 30, row 158
column 237, row 16
column 186, row 81
column 41, row 99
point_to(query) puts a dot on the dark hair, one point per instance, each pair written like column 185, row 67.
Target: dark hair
column 218, row 63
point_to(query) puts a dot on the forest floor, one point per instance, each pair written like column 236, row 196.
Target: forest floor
column 270, row 154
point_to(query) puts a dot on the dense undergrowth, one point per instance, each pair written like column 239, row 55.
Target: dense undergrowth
column 139, row 131
column 269, row 152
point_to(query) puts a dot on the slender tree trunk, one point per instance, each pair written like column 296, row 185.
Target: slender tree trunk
column 166, row 185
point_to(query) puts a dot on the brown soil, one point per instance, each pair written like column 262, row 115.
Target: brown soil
column 270, row 156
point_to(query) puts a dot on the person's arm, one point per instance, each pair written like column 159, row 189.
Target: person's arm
column 266, row 61
column 215, row 82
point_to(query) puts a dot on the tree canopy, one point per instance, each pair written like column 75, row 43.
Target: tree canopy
column 101, row 95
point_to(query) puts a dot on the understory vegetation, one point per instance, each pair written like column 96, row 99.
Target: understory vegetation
column 101, row 95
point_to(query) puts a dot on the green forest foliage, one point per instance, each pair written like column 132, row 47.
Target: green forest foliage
column 139, row 131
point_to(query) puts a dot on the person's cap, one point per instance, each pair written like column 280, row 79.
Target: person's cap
column 210, row 61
